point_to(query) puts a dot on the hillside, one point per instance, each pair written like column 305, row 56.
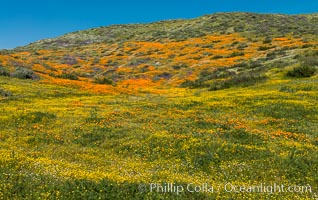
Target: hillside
column 179, row 30
column 223, row 99
column 172, row 53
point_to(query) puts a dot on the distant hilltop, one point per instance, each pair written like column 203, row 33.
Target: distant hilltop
column 178, row 30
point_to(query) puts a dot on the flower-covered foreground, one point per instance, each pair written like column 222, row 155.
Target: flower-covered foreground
column 62, row 143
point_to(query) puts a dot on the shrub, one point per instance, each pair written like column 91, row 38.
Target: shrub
column 165, row 75
column 242, row 46
column 5, row 93
column 248, row 78
column 241, row 65
column 307, row 46
column 235, row 53
column 139, row 61
column 270, row 56
column 209, row 46
column 216, row 57
column 103, row 80
column 239, row 28
column 310, row 61
column 70, row 76
column 49, row 67
column 194, row 84
column 4, row 71
column 242, row 79
column 187, row 83
column 179, row 66
column 24, row 73
column 302, row 71
column 221, row 72
column 267, row 40
column 264, row 48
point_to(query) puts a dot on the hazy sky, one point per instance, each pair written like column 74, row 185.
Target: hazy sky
column 25, row 21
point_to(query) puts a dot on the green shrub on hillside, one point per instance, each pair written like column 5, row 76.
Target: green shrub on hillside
column 199, row 83
column 216, row 57
column 267, row 40
column 4, row 71
column 302, row 71
column 70, row 76
column 103, row 80
column 242, row 79
column 310, row 60
column 308, row 65
column 235, row 53
column 264, row 48
column 24, row 73
column 5, row 93
column 242, row 46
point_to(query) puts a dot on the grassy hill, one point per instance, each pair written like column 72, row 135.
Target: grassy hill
column 179, row 30
column 227, row 100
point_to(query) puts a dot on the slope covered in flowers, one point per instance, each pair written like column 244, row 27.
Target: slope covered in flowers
column 132, row 65
column 105, row 119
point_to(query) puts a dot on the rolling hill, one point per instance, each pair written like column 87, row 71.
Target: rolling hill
column 227, row 100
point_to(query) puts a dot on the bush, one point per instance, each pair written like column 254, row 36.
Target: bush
column 307, row 46
column 302, row 71
column 199, row 83
column 264, row 48
column 24, row 73
column 267, row 40
column 235, row 53
column 70, row 76
column 5, row 93
column 310, row 61
column 242, row 79
column 187, row 83
column 242, row 46
column 180, row 66
column 103, row 80
column 270, row 56
column 4, row 71
column 165, row 75
column 216, row 57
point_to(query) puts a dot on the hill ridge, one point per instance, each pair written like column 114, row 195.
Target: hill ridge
column 180, row 29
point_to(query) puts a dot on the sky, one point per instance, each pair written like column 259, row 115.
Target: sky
column 23, row 22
